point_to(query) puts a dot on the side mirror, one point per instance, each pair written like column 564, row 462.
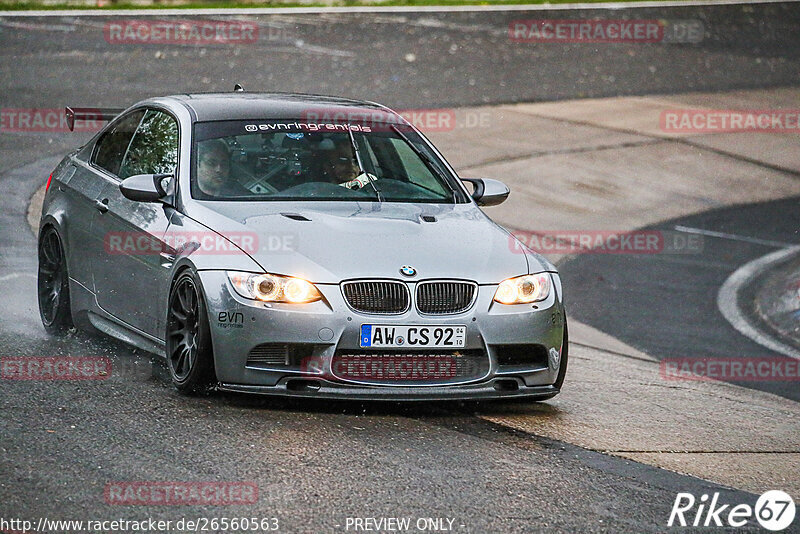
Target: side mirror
column 144, row 187
column 488, row 192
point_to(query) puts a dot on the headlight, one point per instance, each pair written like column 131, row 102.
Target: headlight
column 523, row 289
column 273, row 288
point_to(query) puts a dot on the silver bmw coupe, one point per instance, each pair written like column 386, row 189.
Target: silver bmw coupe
column 295, row 245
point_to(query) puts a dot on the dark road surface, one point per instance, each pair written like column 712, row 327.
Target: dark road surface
column 666, row 305
column 403, row 60
column 315, row 463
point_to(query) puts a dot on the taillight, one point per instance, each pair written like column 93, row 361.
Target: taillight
column 48, row 182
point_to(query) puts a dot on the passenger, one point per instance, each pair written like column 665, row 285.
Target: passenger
column 214, row 170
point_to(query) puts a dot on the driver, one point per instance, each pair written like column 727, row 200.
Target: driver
column 214, row 170
column 342, row 169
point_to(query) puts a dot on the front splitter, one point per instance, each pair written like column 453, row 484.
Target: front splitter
column 497, row 388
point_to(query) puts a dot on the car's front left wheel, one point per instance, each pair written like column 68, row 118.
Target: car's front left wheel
column 188, row 342
column 53, row 284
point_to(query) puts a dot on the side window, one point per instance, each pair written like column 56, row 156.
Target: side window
column 154, row 149
column 112, row 146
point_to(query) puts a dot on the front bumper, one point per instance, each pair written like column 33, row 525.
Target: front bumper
column 330, row 327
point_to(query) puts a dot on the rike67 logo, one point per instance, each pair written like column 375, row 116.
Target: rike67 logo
column 774, row 510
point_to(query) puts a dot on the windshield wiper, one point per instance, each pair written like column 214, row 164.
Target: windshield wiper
column 361, row 164
column 427, row 161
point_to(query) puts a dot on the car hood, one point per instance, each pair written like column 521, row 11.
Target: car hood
column 327, row 242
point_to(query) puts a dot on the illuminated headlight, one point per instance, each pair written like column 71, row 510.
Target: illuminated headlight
column 523, row 289
column 273, row 288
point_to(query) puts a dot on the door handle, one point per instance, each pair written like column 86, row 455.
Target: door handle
column 101, row 205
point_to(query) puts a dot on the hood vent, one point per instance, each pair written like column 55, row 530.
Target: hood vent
column 296, row 217
column 428, row 218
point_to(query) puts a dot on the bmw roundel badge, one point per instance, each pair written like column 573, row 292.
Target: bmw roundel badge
column 408, row 270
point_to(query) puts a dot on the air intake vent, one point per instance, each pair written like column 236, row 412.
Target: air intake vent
column 445, row 297
column 279, row 354
column 533, row 356
column 269, row 354
column 379, row 296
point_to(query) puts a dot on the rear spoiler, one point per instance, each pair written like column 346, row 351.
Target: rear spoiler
column 96, row 114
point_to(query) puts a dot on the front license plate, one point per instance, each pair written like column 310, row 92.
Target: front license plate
column 417, row 336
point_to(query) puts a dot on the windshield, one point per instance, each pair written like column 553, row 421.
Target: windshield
column 294, row 160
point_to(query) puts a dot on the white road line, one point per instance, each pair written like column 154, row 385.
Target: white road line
column 727, row 301
column 734, row 237
column 378, row 9
column 16, row 275
column 37, row 26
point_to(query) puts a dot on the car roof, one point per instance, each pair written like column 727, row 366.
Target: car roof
column 240, row 106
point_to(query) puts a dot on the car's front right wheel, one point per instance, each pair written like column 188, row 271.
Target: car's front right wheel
column 188, row 342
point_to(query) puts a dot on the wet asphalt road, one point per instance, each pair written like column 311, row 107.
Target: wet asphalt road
column 404, row 60
column 666, row 305
column 315, row 463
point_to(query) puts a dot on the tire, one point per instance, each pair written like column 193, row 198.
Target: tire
column 190, row 356
column 562, row 370
column 53, row 284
